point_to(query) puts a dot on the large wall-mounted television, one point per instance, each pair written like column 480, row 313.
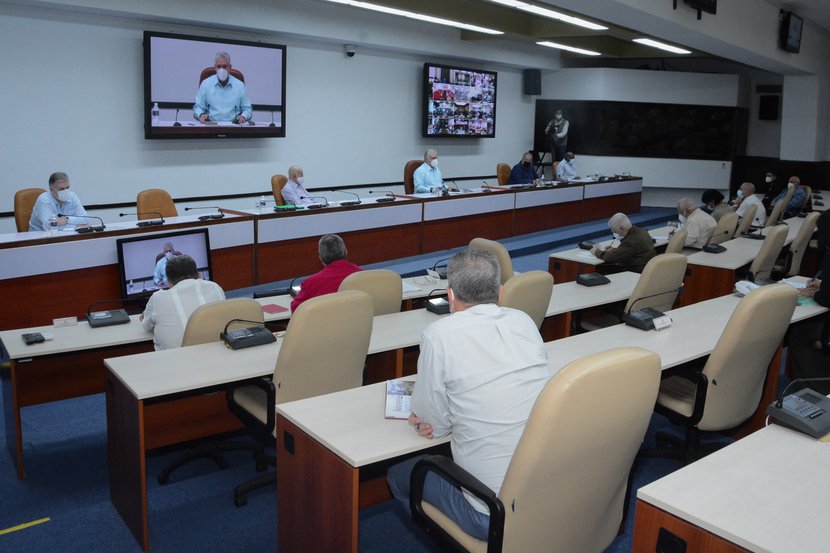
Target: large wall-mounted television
column 459, row 102
column 708, row 6
column 790, row 32
column 139, row 256
column 175, row 66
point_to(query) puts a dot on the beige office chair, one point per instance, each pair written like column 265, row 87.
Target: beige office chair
column 789, row 263
column 323, row 351
column 152, row 201
column 382, row 285
column 725, row 229
column 779, row 208
column 501, row 253
column 657, row 287
column 408, row 178
column 203, row 326
column 677, row 241
column 746, row 220
column 727, row 390
column 763, row 263
column 503, row 173
column 529, row 292
column 277, row 182
column 566, row 484
column 808, row 198
column 24, row 203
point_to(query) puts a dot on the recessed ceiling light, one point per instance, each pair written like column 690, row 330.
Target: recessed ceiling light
column 661, row 46
column 568, row 48
column 418, row 16
column 552, row 14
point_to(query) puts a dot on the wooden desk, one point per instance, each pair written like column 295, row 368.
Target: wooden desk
column 765, row 493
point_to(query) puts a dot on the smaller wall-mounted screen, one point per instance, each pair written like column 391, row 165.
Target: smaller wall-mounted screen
column 185, row 98
column 142, row 259
column 459, row 102
column 790, row 32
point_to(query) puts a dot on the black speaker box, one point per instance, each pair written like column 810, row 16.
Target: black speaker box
column 533, row 82
column 768, row 107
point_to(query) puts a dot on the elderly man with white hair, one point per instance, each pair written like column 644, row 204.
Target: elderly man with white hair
column 427, row 177
column 746, row 197
column 636, row 247
column 294, row 192
column 698, row 224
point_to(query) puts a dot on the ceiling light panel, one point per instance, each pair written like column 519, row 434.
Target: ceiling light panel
column 418, row 16
column 552, row 14
column 661, row 46
column 568, row 48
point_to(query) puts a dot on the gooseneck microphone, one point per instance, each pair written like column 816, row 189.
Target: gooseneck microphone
column 780, row 403
column 350, row 202
column 146, row 223
column 210, row 217
column 317, row 205
column 389, row 197
column 272, row 120
column 176, row 121
column 90, row 228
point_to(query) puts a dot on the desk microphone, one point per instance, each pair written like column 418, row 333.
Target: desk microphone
column 441, row 272
column 390, row 196
column 146, row 223
column 315, row 198
column 176, row 122
column 85, row 230
column 455, row 185
column 210, row 217
column 350, row 202
column 272, row 120
column 780, row 403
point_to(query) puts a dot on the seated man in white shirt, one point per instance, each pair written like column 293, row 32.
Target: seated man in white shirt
column 699, row 224
column 746, row 197
column 479, row 373
column 294, row 193
column 566, row 170
column 167, row 311
column 427, row 177
column 59, row 203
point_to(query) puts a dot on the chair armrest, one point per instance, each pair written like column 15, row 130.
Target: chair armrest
column 447, row 469
column 701, row 384
column 267, row 386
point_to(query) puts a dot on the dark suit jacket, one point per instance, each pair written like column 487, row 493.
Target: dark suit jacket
column 634, row 251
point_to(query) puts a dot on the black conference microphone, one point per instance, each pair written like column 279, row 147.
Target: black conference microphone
column 317, row 205
column 210, row 217
column 176, row 122
column 486, row 187
column 441, row 272
column 780, row 403
column 90, row 228
column 390, row 196
column 272, row 120
column 350, row 202
column 146, row 223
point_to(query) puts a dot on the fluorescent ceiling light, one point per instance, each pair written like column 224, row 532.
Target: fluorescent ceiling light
column 662, row 46
column 418, row 16
column 568, row 48
column 545, row 12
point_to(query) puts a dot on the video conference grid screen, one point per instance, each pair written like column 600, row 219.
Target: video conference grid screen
column 459, row 102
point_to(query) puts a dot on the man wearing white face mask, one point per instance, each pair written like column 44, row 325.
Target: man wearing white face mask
column 294, row 193
column 746, row 197
column 427, row 177
column 636, row 246
column 698, row 224
column 160, row 272
column 222, row 97
column 58, row 202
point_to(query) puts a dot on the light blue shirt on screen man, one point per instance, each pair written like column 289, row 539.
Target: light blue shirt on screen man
column 47, row 206
column 427, row 178
column 222, row 103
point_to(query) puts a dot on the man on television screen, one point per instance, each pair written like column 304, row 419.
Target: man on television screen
column 222, row 97
column 160, row 273
column 427, row 177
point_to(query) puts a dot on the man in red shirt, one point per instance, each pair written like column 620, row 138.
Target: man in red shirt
column 336, row 267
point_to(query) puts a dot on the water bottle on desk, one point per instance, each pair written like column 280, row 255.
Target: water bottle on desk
column 154, row 114
column 53, row 226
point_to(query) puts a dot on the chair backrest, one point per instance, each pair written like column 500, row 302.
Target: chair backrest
column 501, row 253
column 747, row 220
column 24, row 203
column 573, row 459
column 725, row 229
column 207, row 321
column 503, row 173
column 677, row 241
column 808, row 198
column 325, row 346
column 152, row 201
column 737, row 367
column 277, row 182
column 770, row 250
column 778, row 211
column 382, row 285
column 801, row 241
column 408, row 179
column 658, row 285
column 529, row 292
column 209, row 71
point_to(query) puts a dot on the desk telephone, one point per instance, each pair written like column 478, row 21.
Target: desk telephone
column 805, row 411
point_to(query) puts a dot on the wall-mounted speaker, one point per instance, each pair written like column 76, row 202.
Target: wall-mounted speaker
column 768, row 107
column 533, row 82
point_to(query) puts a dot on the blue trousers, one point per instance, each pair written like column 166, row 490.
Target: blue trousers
column 442, row 495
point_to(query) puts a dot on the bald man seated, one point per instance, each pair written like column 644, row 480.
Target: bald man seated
column 636, row 247
column 698, row 224
column 294, row 193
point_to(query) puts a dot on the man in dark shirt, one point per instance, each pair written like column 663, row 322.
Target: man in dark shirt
column 635, row 249
column 336, row 268
column 523, row 172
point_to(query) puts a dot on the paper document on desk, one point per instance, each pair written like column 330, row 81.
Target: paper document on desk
column 399, row 398
column 795, row 284
column 409, row 288
column 586, row 253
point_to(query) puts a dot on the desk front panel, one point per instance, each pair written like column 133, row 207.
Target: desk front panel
column 650, row 521
column 454, row 221
column 538, row 210
column 603, row 199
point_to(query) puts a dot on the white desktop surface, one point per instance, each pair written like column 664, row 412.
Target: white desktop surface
column 400, row 330
column 283, row 300
column 766, row 492
column 742, row 251
column 570, row 296
column 660, row 236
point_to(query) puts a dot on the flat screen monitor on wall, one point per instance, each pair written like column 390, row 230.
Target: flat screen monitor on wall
column 179, row 72
column 459, row 102
column 139, row 259
column 790, row 32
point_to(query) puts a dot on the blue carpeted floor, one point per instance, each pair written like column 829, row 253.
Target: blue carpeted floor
column 65, row 448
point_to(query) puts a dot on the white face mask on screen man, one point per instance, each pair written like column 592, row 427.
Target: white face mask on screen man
column 434, row 163
column 222, row 74
column 64, row 195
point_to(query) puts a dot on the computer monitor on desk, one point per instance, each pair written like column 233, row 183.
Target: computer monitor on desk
column 139, row 256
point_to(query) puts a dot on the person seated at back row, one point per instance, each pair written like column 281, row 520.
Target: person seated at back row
column 427, row 178
column 58, row 202
column 565, row 170
column 636, row 246
column 698, row 224
column 332, row 252
column 746, row 197
column 797, row 201
column 523, row 172
column 168, row 310
column 714, row 205
column 294, row 193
